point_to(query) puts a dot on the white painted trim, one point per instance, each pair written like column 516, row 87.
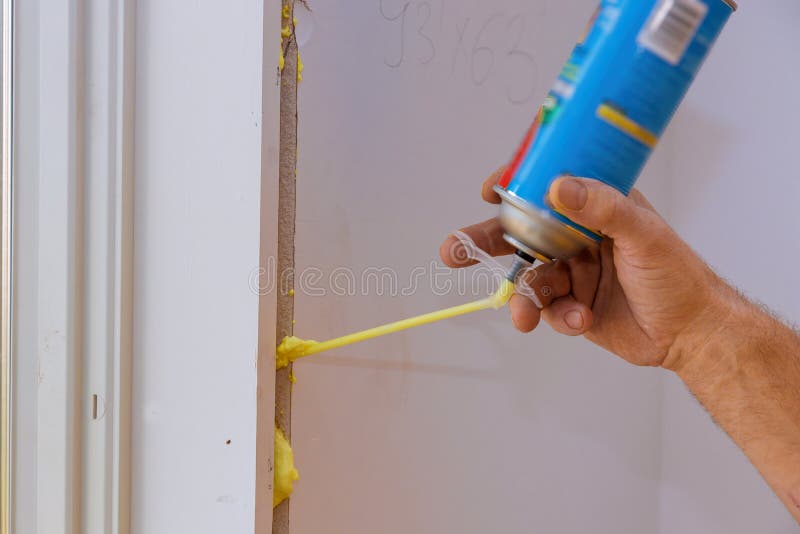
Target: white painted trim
column 83, row 255
column 125, row 84
column 59, row 313
column 108, row 209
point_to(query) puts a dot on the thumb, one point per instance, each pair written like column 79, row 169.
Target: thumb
column 601, row 208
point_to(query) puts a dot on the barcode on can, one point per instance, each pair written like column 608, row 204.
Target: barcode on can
column 671, row 28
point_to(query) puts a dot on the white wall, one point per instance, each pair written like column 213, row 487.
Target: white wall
column 466, row 426
column 735, row 191
column 198, row 158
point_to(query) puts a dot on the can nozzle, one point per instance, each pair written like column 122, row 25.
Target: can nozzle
column 521, row 261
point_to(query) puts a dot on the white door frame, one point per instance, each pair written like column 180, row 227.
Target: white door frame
column 76, row 199
column 72, row 305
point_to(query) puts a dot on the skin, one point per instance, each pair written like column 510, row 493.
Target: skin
column 647, row 297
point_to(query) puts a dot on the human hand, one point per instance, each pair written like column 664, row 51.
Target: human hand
column 644, row 295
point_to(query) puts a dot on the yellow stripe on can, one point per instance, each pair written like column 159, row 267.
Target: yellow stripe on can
column 618, row 120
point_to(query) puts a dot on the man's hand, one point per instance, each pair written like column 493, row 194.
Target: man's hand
column 647, row 297
column 645, row 293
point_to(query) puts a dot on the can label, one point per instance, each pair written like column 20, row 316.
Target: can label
column 615, row 96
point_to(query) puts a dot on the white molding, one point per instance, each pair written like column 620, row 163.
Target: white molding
column 59, row 287
column 83, row 253
column 108, row 209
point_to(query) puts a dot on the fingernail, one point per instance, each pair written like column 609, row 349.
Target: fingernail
column 571, row 194
column 515, row 321
column 574, row 320
column 514, row 314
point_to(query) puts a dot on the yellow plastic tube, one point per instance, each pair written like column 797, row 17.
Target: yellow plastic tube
column 292, row 348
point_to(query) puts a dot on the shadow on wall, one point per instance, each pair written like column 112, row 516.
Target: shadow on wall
column 690, row 193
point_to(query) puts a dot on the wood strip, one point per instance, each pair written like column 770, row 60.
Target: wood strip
column 287, row 202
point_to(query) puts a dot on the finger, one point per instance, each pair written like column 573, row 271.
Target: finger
column 568, row 316
column 524, row 313
column 584, row 274
column 641, row 200
column 600, row 207
column 487, row 235
column 545, row 283
column 487, row 189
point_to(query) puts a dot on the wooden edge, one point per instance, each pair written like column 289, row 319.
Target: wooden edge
column 287, row 202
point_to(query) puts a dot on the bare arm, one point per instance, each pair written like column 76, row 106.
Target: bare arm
column 744, row 367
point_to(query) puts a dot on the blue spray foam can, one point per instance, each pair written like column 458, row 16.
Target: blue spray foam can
column 604, row 115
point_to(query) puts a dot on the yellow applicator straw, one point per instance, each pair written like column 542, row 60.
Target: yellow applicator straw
column 292, row 348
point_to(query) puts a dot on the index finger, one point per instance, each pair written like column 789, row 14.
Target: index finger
column 487, row 189
column 487, row 236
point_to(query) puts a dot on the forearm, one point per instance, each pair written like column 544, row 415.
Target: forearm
column 746, row 371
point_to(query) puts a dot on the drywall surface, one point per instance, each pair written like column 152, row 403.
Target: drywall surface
column 198, row 168
column 735, row 188
column 466, row 426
